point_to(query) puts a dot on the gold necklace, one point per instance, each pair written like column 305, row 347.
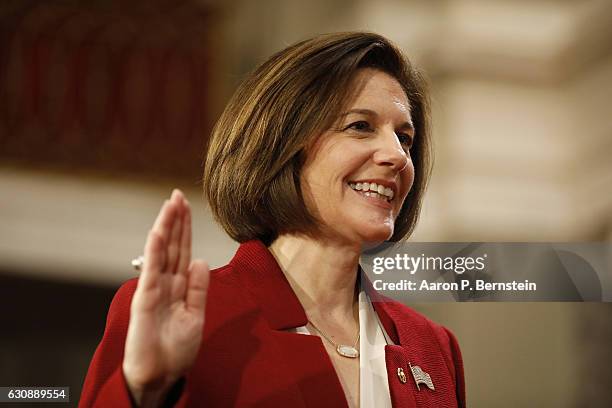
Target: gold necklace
column 342, row 349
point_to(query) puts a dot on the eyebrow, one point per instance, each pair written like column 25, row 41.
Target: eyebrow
column 369, row 112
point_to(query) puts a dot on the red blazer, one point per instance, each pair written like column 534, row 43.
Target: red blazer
column 247, row 359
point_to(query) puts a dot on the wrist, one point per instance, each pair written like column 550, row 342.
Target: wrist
column 148, row 394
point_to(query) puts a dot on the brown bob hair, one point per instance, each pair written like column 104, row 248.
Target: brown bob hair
column 257, row 148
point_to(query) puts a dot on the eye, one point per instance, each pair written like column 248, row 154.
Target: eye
column 360, row 126
column 405, row 140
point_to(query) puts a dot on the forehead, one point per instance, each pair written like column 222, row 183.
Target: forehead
column 375, row 87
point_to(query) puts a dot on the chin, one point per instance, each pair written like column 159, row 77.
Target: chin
column 376, row 236
column 362, row 232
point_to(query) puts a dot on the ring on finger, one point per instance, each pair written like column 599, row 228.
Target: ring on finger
column 138, row 262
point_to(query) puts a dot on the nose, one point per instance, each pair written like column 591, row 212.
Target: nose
column 390, row 152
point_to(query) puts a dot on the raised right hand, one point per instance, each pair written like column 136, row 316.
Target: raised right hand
column 167, row 311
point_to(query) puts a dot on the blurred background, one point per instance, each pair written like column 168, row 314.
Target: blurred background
column 105, row 106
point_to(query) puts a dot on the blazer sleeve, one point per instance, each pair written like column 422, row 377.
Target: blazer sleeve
column 105, row 384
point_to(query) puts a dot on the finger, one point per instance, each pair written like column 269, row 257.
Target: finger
column 163, row 227
column 175, row 234
column 178, row 287
column 154, row 261
column 163, row 222
column 185, row 243
column 154, row 254
column 197, row 286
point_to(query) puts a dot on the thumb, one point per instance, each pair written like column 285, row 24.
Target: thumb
column 197, row 286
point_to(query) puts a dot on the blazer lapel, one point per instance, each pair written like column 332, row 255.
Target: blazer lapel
column 416, row 345
column 306, row 357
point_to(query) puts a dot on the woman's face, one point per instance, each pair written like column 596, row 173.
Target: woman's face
column 358, row 173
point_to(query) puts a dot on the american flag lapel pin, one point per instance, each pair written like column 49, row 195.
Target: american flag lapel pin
column 420, row 377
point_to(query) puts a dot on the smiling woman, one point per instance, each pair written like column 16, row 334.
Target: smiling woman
column 322, row 151
column 280, row 112
column 370, row 149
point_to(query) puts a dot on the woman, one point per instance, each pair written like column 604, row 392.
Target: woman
column 322, row 151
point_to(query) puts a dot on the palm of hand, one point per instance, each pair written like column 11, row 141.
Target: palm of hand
column 167, row 311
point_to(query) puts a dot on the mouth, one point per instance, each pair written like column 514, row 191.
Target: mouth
column 373, row 190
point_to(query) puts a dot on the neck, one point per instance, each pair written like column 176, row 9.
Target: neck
column 322, row 274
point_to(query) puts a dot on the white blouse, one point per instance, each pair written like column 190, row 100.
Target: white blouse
column 373, row 381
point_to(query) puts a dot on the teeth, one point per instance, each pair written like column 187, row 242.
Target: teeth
column 373, row 190
column 388, row 192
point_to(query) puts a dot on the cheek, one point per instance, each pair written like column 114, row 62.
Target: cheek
column 315, row 183
column 407, row 180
